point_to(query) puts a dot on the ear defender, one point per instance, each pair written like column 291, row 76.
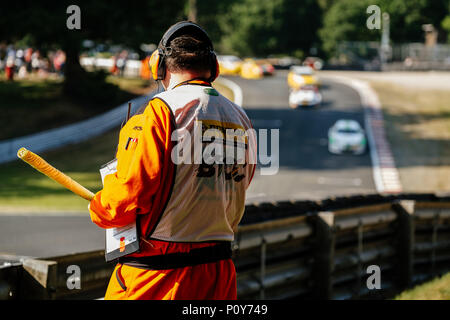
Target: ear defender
column 215, row 70
column 154, row 64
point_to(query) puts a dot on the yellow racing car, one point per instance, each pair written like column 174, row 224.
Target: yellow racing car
column 229, row 65
column 300, row 76
column 251, row 70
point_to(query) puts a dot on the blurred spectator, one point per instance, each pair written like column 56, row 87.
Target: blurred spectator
column 59, row 60
column 27, row 58
column 122, row 61
column 26, row 61
column 19, row 59
column 114, row 68
column 35, row 57
column 10, row 62
column 22, row 73
column 9, row 68
column 44, row 67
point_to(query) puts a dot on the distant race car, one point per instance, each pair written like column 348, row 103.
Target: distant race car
column 346, row 136
column 283, row 62
column 305, row 96
column 229, row 65
column 299, row 76
column 313, row 62
column 251, row 70
column 267, row 68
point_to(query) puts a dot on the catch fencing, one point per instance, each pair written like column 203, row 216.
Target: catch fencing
column 291, row 250
column 366, row 55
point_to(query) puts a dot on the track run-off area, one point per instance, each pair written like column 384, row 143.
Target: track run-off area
column 307, row 171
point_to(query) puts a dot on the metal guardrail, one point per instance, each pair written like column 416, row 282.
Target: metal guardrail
column 291, row 250
column 73, row 133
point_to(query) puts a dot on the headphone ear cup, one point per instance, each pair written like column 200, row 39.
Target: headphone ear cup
column 154, row 63
column 215, row 70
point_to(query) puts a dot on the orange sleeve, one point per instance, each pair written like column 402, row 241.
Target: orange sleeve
column 141, row 155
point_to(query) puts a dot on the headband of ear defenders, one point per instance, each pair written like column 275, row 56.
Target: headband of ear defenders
column 184, row 27
column 157, row 61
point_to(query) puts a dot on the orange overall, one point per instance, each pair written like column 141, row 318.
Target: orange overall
column 140, row 189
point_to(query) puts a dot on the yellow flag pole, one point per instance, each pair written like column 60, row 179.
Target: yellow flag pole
column 44, row 167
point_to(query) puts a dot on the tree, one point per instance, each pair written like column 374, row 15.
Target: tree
column 128, row 23
column 446, row 26
column 300, row 22
column 250, row 27
column 254, row 27
column 407, row 17
column 345, row 20
column 209, row 12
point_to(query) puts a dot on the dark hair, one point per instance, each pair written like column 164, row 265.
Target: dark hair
column 188, row 53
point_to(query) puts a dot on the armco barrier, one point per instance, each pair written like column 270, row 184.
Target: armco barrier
column 290, row 250
column 70, row 134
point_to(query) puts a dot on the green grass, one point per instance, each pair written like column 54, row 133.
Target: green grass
column 135, row 86
column 436, row 289
column 23, row 189
column 417, row 123
column 33, row 105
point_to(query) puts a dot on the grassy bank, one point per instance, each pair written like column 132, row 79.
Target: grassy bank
column 437, row 289
column 417, row 123
column 26, row 190
column 32, row 105
column 23, row 189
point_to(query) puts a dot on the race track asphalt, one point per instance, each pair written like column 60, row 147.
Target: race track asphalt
column 306, row 171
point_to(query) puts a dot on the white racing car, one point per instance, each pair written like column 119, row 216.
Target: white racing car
column 346, row 136
column 305, row 96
